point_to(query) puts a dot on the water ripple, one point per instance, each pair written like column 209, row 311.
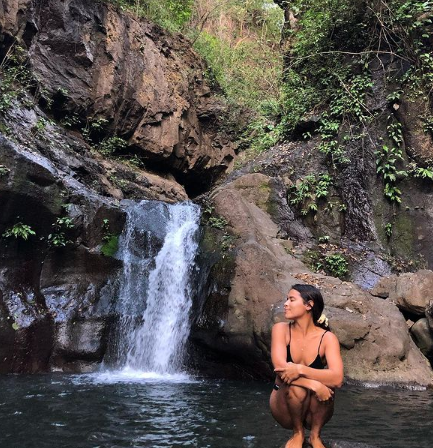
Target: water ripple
column 89, row 412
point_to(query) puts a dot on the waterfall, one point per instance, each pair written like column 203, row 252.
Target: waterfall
column 155, row 294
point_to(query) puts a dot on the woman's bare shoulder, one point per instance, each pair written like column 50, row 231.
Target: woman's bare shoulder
column 280, row 327
column 330, row 338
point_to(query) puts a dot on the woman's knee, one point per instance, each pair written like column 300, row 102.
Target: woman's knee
column 318, row 412
column 279, row 409
column 296, row 393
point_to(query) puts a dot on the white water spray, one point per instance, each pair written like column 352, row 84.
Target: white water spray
column 155, row 291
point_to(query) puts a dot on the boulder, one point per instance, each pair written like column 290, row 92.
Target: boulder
column 423, row 336
column 411, row 292
column 245, row 301
column 80, row 341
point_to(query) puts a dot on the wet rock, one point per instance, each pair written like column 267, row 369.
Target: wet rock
column 419, row 143
column 44, row 288
column 411, row 292
column 240, row 311
column 25, row 329
column 78, row 341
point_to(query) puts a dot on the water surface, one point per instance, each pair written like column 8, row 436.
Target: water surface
column 126, row 410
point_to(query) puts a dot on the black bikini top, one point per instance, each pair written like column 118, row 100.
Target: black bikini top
column 317, row 363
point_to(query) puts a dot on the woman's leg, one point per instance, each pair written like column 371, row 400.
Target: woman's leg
column 318, row 414
column 279, row 408
column 289, row 406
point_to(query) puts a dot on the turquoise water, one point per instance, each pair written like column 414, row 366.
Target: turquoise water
column 90, row 411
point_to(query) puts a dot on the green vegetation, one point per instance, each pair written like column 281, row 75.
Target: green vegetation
column 58, row 238
column 111, row 145
column 96, row 133
column 217, row 222
column 216, row 235
column 19, row 231
column 388, row 230
column 240, row 42
column 328, row 260
column 170, row 14
column 420, row 172
column 111, row 241
column 307, row 192
column 386, row 165
column 4, row 170
column 110, row 246
column 336, row 265
column 333, row 44
column 15, row 77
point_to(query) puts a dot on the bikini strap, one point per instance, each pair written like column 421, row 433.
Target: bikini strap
column 321, row 339
column 290, row 332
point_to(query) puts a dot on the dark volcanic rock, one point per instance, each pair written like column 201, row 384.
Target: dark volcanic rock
column 49, row 294
column 147, row 85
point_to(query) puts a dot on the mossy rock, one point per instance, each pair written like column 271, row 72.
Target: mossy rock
column 111, row 246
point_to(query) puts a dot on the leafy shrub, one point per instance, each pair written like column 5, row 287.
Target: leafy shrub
column 19, row 231
column 336, row 265
column 58, row 237
column 307, row 192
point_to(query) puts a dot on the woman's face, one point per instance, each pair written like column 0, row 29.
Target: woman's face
column 294, row 307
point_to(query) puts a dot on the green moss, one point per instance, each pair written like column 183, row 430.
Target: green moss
column 210, row 241
column 402, row 240
column 265, row 187
column 4, row 129
column 111, row 245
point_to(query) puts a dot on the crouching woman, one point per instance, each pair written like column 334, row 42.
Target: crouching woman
column 307, row 361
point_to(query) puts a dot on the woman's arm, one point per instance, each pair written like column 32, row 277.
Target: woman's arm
column 323, row 393
column 331, row 377
column 278, row 345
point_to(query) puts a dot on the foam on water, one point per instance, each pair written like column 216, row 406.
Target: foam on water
column 128, row 375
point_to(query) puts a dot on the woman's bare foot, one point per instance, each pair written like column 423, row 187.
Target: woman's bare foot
column 316, row 441
column 296, row 441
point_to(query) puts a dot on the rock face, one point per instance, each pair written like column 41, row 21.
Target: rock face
column 90, row 74
column 93, row 63
column 253, row 277
column 48, row 288
column 410, row 292
column 109, row 75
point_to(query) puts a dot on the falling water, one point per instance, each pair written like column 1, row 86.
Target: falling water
column 155, row 287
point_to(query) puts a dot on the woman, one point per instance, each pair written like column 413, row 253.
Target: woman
column 303, row 395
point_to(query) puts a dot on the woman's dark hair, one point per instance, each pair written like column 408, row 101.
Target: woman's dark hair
column 308, row 293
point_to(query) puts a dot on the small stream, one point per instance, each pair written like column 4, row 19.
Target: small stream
column 102, row 411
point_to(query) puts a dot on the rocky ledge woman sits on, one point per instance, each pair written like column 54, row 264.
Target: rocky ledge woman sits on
column 303, row 395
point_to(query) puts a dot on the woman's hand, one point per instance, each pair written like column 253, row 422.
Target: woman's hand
column 324, row 393
column 288, row 373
